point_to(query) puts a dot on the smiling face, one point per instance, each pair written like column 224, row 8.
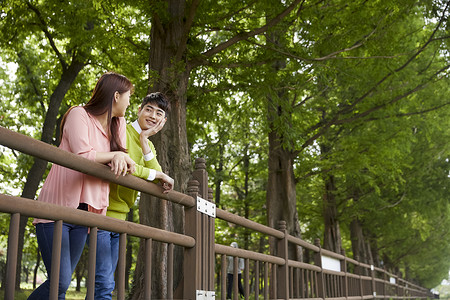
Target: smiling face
column 150, row 115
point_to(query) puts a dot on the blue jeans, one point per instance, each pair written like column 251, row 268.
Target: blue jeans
column 72, row 245
column 106, row 263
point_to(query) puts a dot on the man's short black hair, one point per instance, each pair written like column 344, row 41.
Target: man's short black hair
column 159, row 99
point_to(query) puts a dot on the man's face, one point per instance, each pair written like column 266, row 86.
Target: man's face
column 150, row 115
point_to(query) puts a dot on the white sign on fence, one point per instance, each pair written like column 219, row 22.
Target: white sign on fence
column 205, row 295
column 392, row 280
column 330, row 263
column 206, row 207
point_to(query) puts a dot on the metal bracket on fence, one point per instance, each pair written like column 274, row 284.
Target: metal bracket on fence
column 205, row 295
column 206, row 207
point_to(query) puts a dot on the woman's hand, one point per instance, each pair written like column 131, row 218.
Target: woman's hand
column 166, row 181
column 121, row 164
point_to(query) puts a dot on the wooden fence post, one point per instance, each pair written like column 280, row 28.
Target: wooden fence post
column 320, row 276
column 191, row 257
column 344, row 269
column 211, row 243
column 359, row 271
column 372, row 271
column 90, row 282
column 283, row 271
column 399, row 288
column 199, row 261
column 11, row 260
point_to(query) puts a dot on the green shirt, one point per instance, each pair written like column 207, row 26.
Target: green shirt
column 122, row 198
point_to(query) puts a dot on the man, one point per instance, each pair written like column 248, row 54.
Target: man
column 230, row 273
column 152, row 115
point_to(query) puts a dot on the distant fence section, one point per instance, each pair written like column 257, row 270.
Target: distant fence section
column 331, row 276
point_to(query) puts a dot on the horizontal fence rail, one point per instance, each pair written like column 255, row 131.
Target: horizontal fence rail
column 25, row 207
column 56, row 155
column 42, row 210
column 330, row 276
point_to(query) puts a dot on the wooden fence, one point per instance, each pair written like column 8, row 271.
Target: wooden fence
column 332, row 276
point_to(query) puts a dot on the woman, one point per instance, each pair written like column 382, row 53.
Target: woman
column 96, row 132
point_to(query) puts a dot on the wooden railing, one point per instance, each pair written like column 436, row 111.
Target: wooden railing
column 192, row 241
column 326, row 278
column 267, row 276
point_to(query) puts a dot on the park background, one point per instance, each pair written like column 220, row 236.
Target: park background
column 330, row 115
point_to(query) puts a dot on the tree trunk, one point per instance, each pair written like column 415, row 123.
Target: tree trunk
column 171, row 146
column 358, row 241
column 243, row 195
column 374, row 252
column 79, row 278
column 36, row 268
column 81, row 269
column 219, row 177
column 361, row 247
column 281, row 197
column 332, row 234
column 37, row 170
column 27, row 274
column 3, row 273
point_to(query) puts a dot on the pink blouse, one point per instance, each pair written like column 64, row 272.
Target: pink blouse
column 83, row 135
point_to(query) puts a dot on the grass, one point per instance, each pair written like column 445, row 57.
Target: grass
column 70, row 295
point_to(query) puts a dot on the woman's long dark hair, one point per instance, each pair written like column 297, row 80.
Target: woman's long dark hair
column 102, row 101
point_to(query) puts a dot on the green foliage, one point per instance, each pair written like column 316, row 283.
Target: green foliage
column 357, row 90
column 363, row 81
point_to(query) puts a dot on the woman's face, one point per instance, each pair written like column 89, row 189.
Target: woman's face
column 121, row 102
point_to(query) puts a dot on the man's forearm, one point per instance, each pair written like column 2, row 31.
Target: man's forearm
column 144, row 145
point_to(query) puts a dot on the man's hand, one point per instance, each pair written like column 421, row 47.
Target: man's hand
column 145, row 134
column 166, row 181
column 153, row 130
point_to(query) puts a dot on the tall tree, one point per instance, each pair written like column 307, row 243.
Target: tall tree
column 342, row 92
column 175, row 26
column 68, row 38
column 36, row 20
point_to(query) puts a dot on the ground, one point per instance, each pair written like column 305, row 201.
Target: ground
column 71, row 294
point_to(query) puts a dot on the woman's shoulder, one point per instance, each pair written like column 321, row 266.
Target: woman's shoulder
column 77, row 111
column 75, row 114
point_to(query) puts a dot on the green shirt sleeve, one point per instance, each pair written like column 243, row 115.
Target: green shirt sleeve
column 143, row 167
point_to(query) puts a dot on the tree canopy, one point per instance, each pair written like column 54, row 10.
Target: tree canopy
column 331, row 115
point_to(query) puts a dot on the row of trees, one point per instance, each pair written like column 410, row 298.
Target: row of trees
column 327, row 114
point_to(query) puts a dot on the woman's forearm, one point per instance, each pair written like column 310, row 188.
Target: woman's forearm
column 105, row 157
column 119, row 161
